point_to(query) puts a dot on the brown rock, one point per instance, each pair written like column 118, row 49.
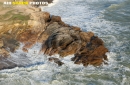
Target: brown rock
column 86, row 36
column 96, row 41
column 93, row 53
column 57, row 38
column 1, row 43
column 42, row 37
column 28, row 37
column 4, row 53
column 62, row 42
column 58, row 19
column 56, row 60
column 25, row 50
column 75, row 28
column 46, row 16
column 70, row 49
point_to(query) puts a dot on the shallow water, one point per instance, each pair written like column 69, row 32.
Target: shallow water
column 108, row 19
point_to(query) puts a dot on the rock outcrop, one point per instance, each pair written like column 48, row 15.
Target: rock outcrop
column 56, row 60
column 56, row 37
column 67, row 40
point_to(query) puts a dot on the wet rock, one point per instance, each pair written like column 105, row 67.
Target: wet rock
column 67, row 40
column 56, row 60
column 62, row 41
column 28, row 37
column 5, row 63
column 25, row 49
column 10, row 42
column 4, row 53
column 56, row 38
column 93, row 53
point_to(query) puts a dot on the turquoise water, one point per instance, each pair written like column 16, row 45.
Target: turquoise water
column 108, row 19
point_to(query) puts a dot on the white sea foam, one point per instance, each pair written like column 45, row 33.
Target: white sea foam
column 39, row 71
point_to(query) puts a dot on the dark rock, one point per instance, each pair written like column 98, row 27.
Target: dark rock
column 56, row 60
column 94, row 54
column 67, row 40
column 52, row 27
column 46, row 16
column 9, row 42
column 5, row 63
column 63, row 41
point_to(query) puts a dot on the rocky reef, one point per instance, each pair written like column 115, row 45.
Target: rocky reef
column 67, row 40
column 30, row 26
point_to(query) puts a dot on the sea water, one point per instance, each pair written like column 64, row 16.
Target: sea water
column 108, row 19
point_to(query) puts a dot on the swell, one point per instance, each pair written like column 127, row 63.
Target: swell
column 118, row 13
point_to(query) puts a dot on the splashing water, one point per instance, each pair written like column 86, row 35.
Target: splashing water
column 108, row 19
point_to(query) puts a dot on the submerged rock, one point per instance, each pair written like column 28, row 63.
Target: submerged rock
column 56, row 60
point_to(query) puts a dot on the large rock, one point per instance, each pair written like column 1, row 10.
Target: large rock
column 5, row 63
column 9, row 42
column 93, row 53
column 67, row 40
column 62, row 40
column 56, row 38
column 4, row 59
